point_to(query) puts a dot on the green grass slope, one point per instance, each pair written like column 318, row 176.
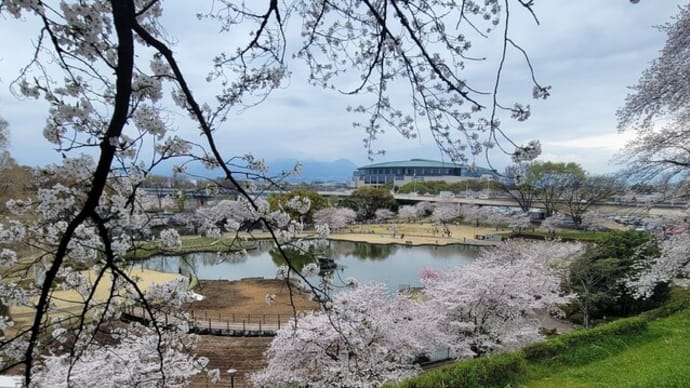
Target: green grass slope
column 656, row 357
column 651, row 350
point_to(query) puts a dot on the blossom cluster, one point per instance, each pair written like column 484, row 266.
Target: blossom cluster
column 368, row 336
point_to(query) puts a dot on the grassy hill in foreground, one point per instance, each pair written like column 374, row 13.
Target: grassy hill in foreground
column 651, row 350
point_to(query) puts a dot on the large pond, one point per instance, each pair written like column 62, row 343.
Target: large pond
column 396, row 265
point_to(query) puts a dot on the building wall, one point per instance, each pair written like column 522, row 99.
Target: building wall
column 399, row 176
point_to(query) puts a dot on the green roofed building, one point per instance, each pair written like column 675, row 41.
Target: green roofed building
column 399, row 173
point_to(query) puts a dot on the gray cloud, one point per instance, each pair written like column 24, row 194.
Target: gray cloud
column 589, row 50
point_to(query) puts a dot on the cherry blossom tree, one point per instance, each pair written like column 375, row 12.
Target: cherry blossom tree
column 408, row 213
column 673, row 261
column 444, row 212
column 116, row 89
column 519, row 221
column 131, row 362
column 497, row 219
column 658, row 109
column 227, row 215
column 365, row 337
column 335, row 217
column 490, row 304
column 473, row 213
column 369, row 336
column 552, row 222
column 152, row 203
column 424, row 208
column 382, row 215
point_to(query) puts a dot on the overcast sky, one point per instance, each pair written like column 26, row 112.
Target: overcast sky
column 590, row 51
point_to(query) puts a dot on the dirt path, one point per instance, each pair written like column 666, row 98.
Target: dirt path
column 408, row 234
column 70, row 302
column 241, row 298
column 244, row 354
column 413, row 234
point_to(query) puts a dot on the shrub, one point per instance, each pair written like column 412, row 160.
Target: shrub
column 495, row 371
column 544, row 350
column 679, row 299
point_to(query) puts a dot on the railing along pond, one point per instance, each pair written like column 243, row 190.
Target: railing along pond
column 216, row 324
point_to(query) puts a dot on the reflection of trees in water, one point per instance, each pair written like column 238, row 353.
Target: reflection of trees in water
column 338, row 250
column 261, row 247
column 373, row 251
column 188, row 265
column 162, row 263
column 364, row 251
column 215, row 258
column 450, row 251
column 298, row 258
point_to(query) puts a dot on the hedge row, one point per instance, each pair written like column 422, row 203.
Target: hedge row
column 495, row 371
column 503, row 369
column 556, row 346
column 500, row 370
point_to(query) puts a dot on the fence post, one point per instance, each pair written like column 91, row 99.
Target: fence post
column 209, row 324
column 264, row 318
column 259, row 325
column 227, row 324
column 244, row 328
column 233, row 317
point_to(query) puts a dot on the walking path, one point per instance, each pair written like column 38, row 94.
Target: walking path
column 407, row 234
column 262, row 325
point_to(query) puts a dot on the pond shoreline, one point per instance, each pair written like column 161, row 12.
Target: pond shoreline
column 395, row 264
column 379, row 234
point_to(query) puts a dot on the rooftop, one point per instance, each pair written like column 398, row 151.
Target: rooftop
column 416, row 163
column 426, row 163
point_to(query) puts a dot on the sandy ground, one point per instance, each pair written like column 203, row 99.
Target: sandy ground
column 241, row 298
column 70, row 301
column 244, row 354
column 248, row 297
column 408, row 234
column 412, row 234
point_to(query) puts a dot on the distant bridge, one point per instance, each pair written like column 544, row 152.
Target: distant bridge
column 663, row 208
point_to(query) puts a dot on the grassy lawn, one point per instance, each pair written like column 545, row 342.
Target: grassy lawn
column 657, row 357
column 190, row 244
column 410, row 234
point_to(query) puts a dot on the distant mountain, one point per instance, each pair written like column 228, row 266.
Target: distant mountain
column 312, row 170
column 315, row 170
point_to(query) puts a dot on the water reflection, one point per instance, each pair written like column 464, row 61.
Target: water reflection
column 366, row 251
column 396, row 265
column 298, row 259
